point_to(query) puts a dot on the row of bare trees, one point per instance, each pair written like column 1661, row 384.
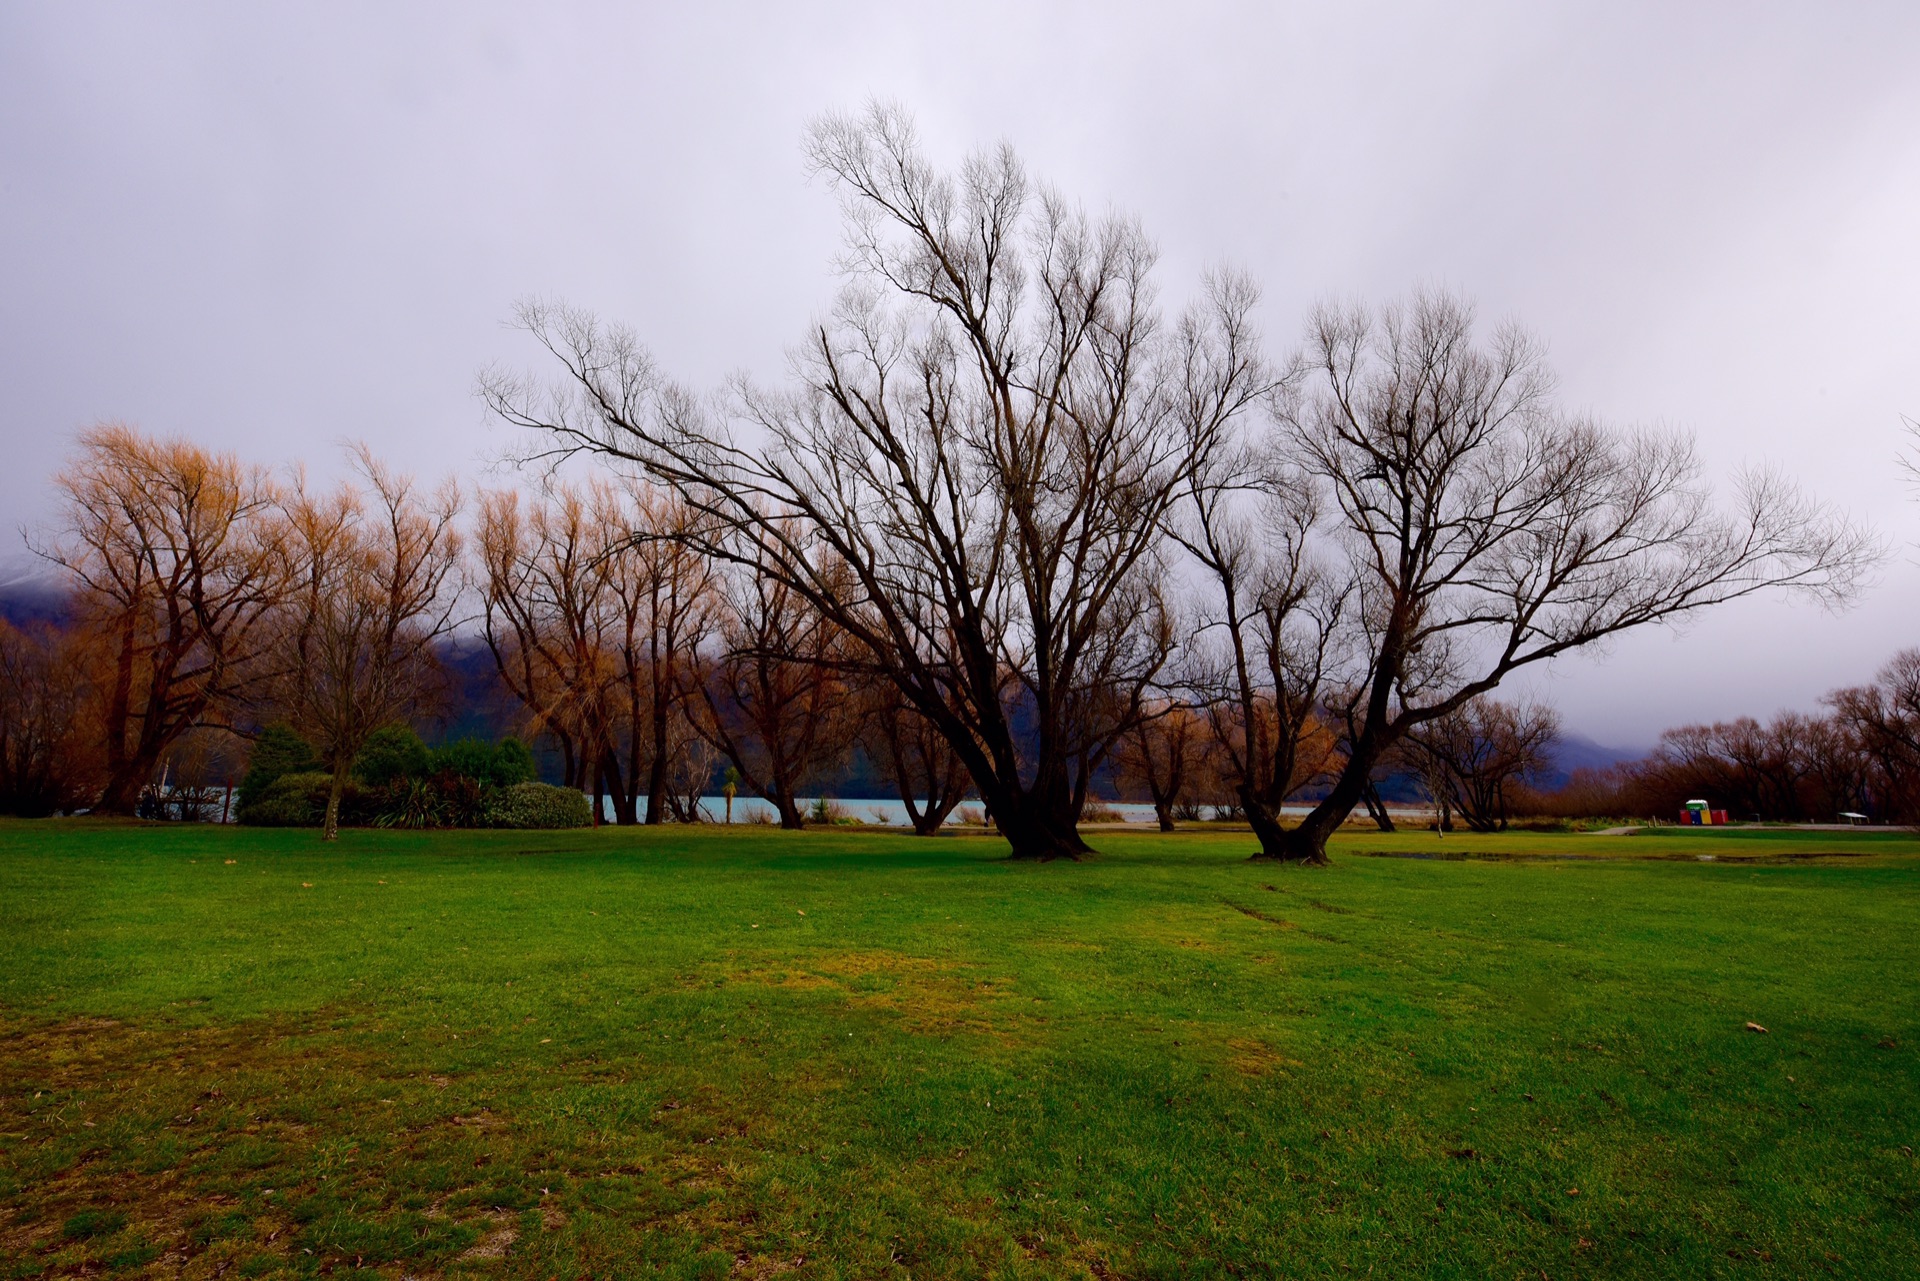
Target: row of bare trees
column 650, row 665
column 210, row 598
column 205, row 596
column 998, row 455
column 1861, row 755
column 1480, row 764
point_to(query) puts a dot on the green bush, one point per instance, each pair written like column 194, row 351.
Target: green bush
column 300, row 800
column 445, row 797
column 291, row 800
column 513, row 763
column 391, row 754
column 276, row 753
column 499, row 764
column 538, row 805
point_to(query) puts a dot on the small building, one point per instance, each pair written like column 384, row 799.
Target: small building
column 1700, row 814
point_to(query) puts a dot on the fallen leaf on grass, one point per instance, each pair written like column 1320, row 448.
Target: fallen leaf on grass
column 232, row 861
column 306, row 885
column 1754, row 1027
column 545, row 1040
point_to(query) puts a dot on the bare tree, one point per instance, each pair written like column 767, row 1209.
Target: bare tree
column 545, row 613
column 776, row 701
column 50, row 756
column 693, row 762
column 1486, row 530
column 987, row 435
column 1275, row 614
column 668, row 611
column 1475, row 755
column 174, row 559
column 1161, row 753
column 595, row 610
column 1839, row 775
column 375, row 574
column 1773, row 759
column 1885, row 716
column 925, row 771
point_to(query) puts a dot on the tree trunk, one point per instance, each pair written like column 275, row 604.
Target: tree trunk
column 1265, row 822
column 1376, row 808
column 925, row 822
column 790, row 818
column 657, row 771
column 1041, row 827
column 1162, row 804
column 330, row 825
column 1307, row 843
column 620, row 785
column 122, row 793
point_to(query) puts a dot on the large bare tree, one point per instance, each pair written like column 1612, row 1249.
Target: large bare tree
column 375, row 580
column 1487, row 530
column 173, row 554
column 1272, row 624
column 987, row 433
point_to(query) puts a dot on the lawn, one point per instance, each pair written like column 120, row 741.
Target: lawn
column 743, row 1053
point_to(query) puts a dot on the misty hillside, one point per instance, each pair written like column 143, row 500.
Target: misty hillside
column 1576, row 751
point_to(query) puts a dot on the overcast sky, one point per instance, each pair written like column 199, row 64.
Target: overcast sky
column 276, row 226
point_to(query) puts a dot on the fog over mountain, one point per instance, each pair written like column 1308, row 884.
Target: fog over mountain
column 275, row 227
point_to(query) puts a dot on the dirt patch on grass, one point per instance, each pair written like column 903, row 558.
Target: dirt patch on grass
column 502, row 1231
column 931, row 996
column 1252, row 1057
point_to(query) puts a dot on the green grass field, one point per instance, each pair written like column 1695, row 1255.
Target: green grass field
column 745, row 1053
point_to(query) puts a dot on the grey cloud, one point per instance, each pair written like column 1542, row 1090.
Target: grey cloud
column 274, row 227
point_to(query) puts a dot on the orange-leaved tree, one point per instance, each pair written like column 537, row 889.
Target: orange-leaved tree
column 173, row 555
